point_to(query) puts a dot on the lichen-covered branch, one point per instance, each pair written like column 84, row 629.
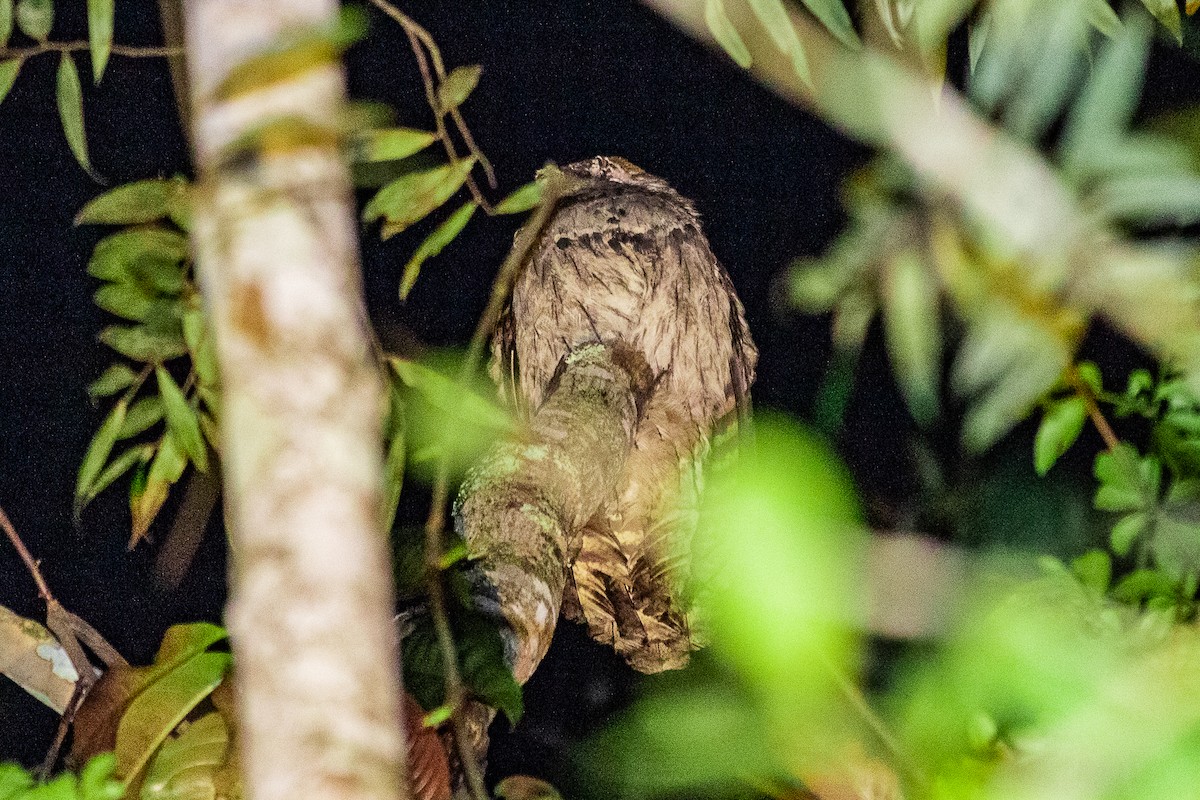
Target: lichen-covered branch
column 311, row 605
column 524, row 507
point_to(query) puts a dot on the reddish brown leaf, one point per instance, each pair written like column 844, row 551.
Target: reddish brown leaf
column 428, row 767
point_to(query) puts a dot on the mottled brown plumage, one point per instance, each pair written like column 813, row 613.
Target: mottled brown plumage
column 623, row 261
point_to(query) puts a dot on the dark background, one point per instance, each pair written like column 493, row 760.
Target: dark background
column 562, row 81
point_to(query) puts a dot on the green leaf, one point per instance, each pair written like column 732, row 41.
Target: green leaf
column 521, row 199
column 199, row 339
column 1089, row 373
column 447, row 396
column 1143, row 584
column 393, row 465
column 133, row 203
column 1127, row 481
column 70, row 111
column 145, row 500
column 294, row 53
column 98, row 452
column 914, row 338
column 8, row 75
column 457, row 87
column 6, row 27
column 1126, row 531
column 726, row 35
column 391, row 144
column 1150, row 200
column 1061, row 425
column 1096, row 122
column 14, row 781
column 116, row 468
column 151, row 257
column 1102, row 17
column 125, row 301
column 156, row 711
column 411, row 197
column 774, row 17
column 833, row 15
column 142, row 344
column 187, row 766
column 181, row 419
column 96, row 781
column 100, row 34
column 1167, row 13
column 1093, row 569
column 434, row 243
column 111, row 381
column 35, row 18
column 143, row 414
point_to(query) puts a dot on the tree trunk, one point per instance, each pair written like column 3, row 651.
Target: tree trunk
column 311, row 605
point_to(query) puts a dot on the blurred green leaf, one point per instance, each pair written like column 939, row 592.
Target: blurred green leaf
column 912, row 324
column 1096, row 122
column 1167, row 13
column 1056, row 46
column 35, row 18
column 1094, row 570
column 70, row 111
column 725, row 33
column 8, row 75
column 396, row 453
column 434, row 243
column 447, row 396
column 115, row 378
column 1102, row 17
column 391, row 144
column 133, row 203
column 457, row 87
column 141, row 344
column 144, row 413
column 1126, row 531
column 96, row 780
column 521, row 199
column 6, row 25
column 412, row 196
column 1149, row 199
column 836, row 19
column 1128, row 482
column 1061, row 425
column 199, row 339
column 294, row 52
column 775, row 551
column 1143, row 584
column 524, row 787
column 181, row 419
column 774, row 17
column 129, row 302
column 100, row 34
column 185, row 766
column 97, row 453
column 682, row 742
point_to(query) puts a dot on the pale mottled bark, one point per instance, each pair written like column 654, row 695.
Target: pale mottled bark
column 311, row 597
column 523, row 509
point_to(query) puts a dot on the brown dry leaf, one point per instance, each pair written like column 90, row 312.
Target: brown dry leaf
column 428, row 766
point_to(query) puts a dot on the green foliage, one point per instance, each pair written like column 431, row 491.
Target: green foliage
column 414, row 195
column 70, row 111
column 8, row 75
column 35, row 18
column 725, row 33
column 100, row 34
column 454, row 90
column 94, row 782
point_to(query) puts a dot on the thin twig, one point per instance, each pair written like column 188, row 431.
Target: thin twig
column 425, row 50
column 130, row 51
column 1093, row 409
column 30, row 563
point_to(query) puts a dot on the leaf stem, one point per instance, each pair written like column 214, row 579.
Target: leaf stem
column 1111, row 442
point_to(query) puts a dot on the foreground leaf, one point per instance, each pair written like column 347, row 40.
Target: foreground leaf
column 391, row 144
column 111, row 381
column 35, row 18
column 146, row 501
column 6, row 24
column 725, row 33
column 181, row 419
column 457, row 87
column 1061, row 425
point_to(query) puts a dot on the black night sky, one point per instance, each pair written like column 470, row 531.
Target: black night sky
column 562, row 81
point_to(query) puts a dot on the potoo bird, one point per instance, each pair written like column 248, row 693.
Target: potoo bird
column 623, row 262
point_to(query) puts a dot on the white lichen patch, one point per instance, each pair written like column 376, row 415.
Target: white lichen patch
column 545, row 521
column 536, row 452
column 60, row 663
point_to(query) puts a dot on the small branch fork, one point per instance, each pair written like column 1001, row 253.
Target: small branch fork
column 1093, row 409
column 72, row 632
column 426, row 52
